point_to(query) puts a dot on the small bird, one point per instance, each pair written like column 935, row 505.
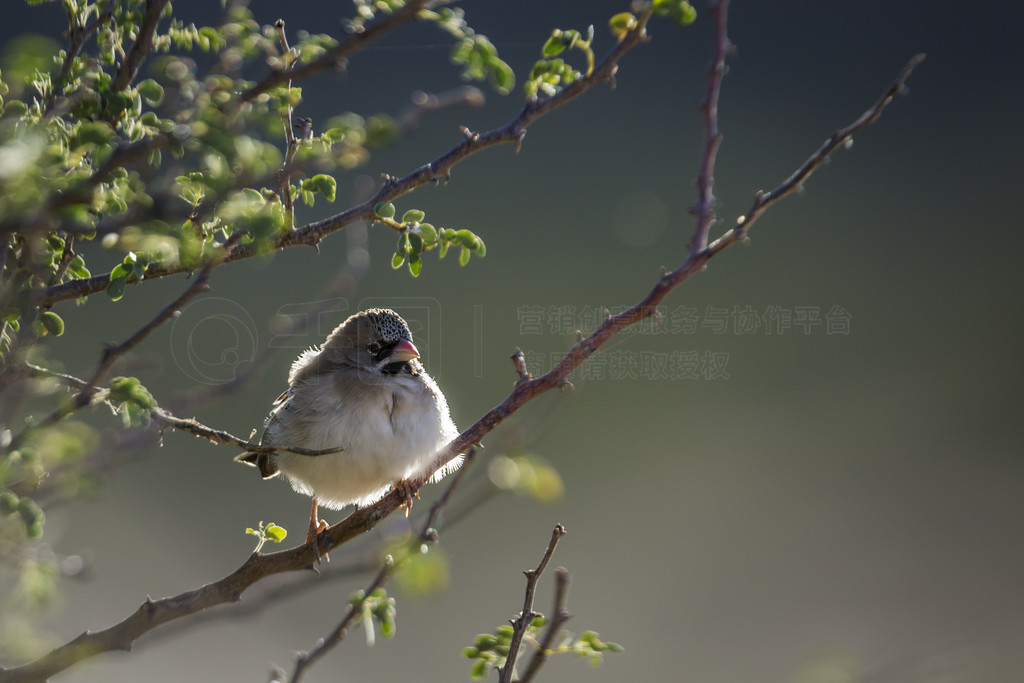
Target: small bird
column 364, row 391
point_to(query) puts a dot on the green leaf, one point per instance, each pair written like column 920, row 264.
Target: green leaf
column 443, row 249
column 276, row 533
column 683, row 13
column 397, row 260
column 479, row 669
column 663, row 7
column 52, row 322
column 428, row 232
column 415, row 243
column 115, row 290
column 415, row 265
column 466, row 239
column 464, row 256
column 8, row 503
column 621, row 24
column 413, row 216
column 502, row 76
column 385, row 210
column 481, row 248
column 151, row 91
column 554, row 45
column 325, row 185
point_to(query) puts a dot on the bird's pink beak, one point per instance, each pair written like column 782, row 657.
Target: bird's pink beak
column 404, row 351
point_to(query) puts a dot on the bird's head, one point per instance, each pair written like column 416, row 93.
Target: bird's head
column 378, row 340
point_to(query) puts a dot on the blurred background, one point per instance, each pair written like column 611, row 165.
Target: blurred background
column 811, row 471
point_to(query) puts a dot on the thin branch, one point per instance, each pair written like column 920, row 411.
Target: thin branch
column 525, row 618
column 704, row 209
column 526, row 390
column 427, row 534
column 840, row 138
column 435, row 171
column 559, row 615
column 112, row 353
column 77, row 35
column 337, row 55
column 229, row 589
column 291, row 144
column 165, row 420
column 143, row 45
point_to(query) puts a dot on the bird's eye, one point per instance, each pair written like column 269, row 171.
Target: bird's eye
column 373, row 348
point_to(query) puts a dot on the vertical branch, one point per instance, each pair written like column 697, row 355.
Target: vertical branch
column 143, row 44
column 560, row 614
column 525, row 618
column 285, row 189
column 704, row 209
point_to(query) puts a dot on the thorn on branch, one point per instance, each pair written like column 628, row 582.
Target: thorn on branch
column 519, row 363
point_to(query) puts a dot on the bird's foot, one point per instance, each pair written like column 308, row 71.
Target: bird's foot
column 408, row 492
column 316, row 526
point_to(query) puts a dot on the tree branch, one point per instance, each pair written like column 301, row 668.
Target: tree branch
column 143, row 45
column 439, row 169
column 229, row 589
column 704, row 209
column 525, row 618
column 343, row 49
column 559, row 615
column 165, row 420
column 527, row 389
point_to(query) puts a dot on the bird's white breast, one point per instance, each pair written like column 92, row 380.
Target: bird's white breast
column 390, row 428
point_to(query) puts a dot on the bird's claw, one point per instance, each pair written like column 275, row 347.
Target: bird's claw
column 408, row 493
column 316, row 527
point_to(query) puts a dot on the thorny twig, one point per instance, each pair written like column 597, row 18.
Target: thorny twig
column 525, row 618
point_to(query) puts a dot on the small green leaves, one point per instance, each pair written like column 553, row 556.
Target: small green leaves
column 52, row 323
column 428, row 231
column 491, row 650
column 376, row 606
column 681, row 11
column 131, row 269
column 415, row 265
column 621, row 24
column 271, row 532
column 479, row 59
column 550, row 75
column 151, row 91
column 385, row 210
column 416, row 238
column 32, row 516
column 413, row 216
column 322, row 183
column 136, row 403
column 115, row 290
column 8, row 503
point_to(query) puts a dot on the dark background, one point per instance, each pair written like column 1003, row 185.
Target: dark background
column 841, row 507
